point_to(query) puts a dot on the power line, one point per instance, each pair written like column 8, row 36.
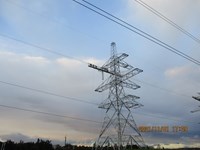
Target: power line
column 47, row 113
column 136, row 30
column 86, row 120
column 53, row 20
column 56, row 21
column 157, row 13
column 49, row 50
column 42, row 48
column 169, row 48
column 70, row 98
column 46, row 92
column 57, row 53
column 163, row 117
column 27, row 43
column 91, row 5
column 161, row 88
column 80, row 100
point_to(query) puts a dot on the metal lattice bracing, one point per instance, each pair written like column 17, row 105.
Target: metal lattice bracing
column 119, row 129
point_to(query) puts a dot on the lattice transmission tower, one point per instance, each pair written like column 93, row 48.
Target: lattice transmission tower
column 119, row 130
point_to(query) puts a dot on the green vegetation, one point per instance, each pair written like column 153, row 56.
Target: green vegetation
column 41, row 145
column 47, row 145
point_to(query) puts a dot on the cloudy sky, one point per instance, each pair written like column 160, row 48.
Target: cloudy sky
column 29, row 30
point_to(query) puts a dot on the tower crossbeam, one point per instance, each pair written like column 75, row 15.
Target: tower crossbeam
column 198, row 99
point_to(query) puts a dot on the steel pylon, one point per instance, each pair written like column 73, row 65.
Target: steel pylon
column 119, row 130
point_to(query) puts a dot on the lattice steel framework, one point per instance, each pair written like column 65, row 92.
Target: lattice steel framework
column 119, row 130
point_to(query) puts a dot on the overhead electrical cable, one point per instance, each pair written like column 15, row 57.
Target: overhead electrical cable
column 42, row 48
column 67, row 97
column 50, row 114
column 183, row 54
column 157, row 41
column 36, row 46
column 46, row 92
column 81, row 100
column 139, row 1
column 161, row 88
column 163, row 117
column 55, row 20
column 86, row 120
column 157, row 13
column 136, row 30
column 82, row 61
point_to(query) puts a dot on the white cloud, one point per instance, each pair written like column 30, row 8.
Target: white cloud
column 70, row 63
column 94, row 61
column 61, row 76
column 177, row 71
column 65, row 62
column 179, row 76
column 6, row 53
column 73, row 78
column 34, row 59
column 1, row 140
column 178, row 11
column 37, row 60
column 178, row 145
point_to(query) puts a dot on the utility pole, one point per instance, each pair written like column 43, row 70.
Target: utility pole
column 119, row 129
column 65, row 140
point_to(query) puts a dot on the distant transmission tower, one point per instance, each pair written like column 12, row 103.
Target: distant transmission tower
column 198, row 99
column 3, row 145
column 119, row 130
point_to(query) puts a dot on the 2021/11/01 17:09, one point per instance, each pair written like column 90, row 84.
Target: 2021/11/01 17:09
column 163, row 129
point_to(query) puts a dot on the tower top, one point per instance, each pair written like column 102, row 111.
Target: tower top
column 113, row 49
column 113, row 43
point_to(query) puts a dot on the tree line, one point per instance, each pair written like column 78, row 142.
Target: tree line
column 47, row 145
column 39, row 145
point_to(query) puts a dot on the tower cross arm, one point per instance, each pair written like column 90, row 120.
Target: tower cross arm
column 131, row 73
column 103, row 69
column 103, row 87
column 130, row 85
column 195, row 111
column 116, row 59
column 196, row 98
